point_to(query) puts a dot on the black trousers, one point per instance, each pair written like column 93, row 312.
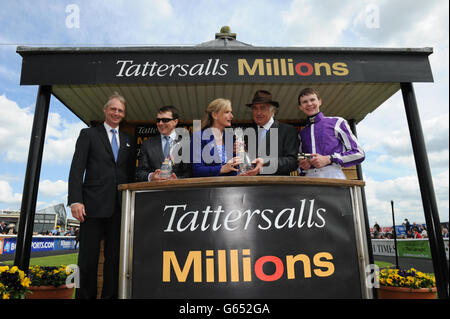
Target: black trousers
column 92, row 231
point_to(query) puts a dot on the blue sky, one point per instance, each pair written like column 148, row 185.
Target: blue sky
column 389, row 169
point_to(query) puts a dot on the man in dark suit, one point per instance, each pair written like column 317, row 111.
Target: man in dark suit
column 3, row 228
column 106, row 157
column 151, row 154
column 286, row 143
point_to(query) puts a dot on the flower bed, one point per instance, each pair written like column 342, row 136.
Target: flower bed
column 48, row 276
column 410, row 278
column 16, row 284
column 13, row 283
column 406, row 284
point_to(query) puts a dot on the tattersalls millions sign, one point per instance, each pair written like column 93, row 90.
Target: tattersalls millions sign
column 245, row 242
column 213, row 67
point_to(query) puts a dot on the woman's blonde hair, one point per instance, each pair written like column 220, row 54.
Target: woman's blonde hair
column 215, row 106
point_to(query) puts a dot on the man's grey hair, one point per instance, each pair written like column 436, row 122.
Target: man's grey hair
column 115, row 95
column 274, row 109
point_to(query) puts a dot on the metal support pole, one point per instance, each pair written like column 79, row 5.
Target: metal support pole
column 31, row 182
column 427, row 191
column 364, row 204
column 395, row 235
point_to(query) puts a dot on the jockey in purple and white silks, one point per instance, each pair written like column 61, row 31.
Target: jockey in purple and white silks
column 329, row 139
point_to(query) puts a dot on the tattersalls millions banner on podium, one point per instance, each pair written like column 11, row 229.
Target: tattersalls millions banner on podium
column 245, row 242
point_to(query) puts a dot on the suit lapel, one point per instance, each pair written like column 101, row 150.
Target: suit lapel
column 105, row 140
column 121, row 146
column 275, row 125
column 124, row 145
column 157, row 148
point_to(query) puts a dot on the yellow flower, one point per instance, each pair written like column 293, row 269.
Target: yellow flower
column 5, row 296
column 25, row 282
column 406, row 278
column 13, row 269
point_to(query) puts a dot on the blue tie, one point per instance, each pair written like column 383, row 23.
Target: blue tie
column 262, row 134
column 166, row 147
column 114, row 146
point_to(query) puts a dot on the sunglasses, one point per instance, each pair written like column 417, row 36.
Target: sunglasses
column 164, row 120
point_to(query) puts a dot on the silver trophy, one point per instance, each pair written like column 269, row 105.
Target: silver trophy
column 246, row 164
column 166, row 168
column 167, row 164
column 302, row 156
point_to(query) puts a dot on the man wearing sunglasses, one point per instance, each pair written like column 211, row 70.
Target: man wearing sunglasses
column 151, row 155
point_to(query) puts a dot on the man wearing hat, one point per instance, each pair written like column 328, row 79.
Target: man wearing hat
column 276, row 143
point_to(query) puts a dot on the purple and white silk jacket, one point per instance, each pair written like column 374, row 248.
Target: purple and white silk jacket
column 331, row 136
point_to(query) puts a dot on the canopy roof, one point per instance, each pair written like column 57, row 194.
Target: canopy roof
column 353, row 82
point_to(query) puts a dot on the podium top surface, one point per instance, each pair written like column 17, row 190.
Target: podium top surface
column 238, row 181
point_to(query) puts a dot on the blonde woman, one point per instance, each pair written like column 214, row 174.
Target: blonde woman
column 215, row 156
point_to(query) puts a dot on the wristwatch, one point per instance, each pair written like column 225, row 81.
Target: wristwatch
column 332, row 158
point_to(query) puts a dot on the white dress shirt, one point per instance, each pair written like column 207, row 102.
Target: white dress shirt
column 110, row 134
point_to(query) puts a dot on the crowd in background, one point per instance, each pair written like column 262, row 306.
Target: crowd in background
column 7, row 229
column 408, row 231
column 10, row 229
column 58, row 231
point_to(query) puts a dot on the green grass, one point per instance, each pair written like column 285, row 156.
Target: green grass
column 382, row 264
column 57, row 260
column 73, row 259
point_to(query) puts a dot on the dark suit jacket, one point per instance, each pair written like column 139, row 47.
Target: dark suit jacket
column 151, row 158
column 3, row 229
column 94, row 159
column 288, row 144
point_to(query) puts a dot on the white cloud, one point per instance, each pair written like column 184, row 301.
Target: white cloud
column 441, row 182
column 52, row 189
column 8, row 73
column 382, row 158
column 60, row 142
column 405, row 193
column 7, row 195
column 15, row 131
column 386, row 132
column 121, row 22
column 56, row 190
column 15, row 128
column 405, row 161
column 397, row 144
column 436, row 131
column 399, row 25
column 319, row 23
